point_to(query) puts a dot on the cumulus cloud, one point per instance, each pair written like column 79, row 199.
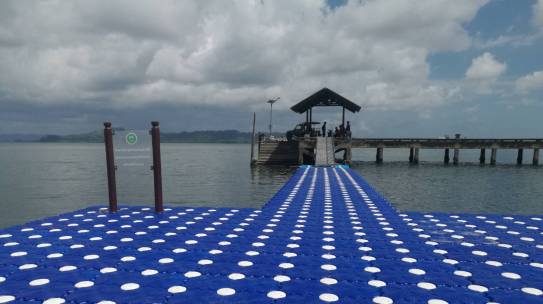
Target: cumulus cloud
column 483, row 73
column 485, row 67
column 135, row 53
column 530, row 82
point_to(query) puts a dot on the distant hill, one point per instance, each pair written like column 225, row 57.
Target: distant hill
column 91, row 137
column 19, row 137
column 222, row 136
column 217, row 136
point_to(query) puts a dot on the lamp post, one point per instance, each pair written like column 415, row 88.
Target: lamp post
column 271, row 102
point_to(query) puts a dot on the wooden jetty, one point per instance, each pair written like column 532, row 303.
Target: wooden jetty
column 303, row 147
column 455, row 144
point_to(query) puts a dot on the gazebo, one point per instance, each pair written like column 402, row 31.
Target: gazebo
column 324, row 98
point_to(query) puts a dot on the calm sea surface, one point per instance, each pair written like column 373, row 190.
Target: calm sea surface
column 39, row 180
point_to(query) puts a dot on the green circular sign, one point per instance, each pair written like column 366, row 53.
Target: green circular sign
column 131, row 138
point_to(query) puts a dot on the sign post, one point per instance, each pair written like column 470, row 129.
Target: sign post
column 157, row 166
column 110, row 160
column 131, row 152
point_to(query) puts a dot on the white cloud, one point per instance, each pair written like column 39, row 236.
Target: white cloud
column 485, row 67
column 128, row 52
column 530, row 82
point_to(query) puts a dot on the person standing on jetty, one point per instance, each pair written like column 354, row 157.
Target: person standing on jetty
column 324, row 129
column 341, row 130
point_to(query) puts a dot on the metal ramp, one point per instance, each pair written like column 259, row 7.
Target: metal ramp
column 324, row 155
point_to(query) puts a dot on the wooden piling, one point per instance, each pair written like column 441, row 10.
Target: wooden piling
column 493, row 154
column 535, row 160
column 300, row 153
column 416, row 156
column 456, row 156
column 252, row 162
column 482, row 156
column 456, row 152
column 446, row 158
column 348, row 154
column 411, row 154
column 520, row 153
column 110, row 162
column 379, row 155
column 157, row 166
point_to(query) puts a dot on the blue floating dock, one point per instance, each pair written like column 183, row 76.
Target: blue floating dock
column 326, row 236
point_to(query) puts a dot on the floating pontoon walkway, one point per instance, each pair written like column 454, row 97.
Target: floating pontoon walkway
column 326, row 236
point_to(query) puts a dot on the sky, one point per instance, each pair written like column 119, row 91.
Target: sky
column 416, row 67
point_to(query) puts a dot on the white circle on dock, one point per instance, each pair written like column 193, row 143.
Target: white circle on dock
column 377, row 283
column 328, row 297
column 417, row 271
column 54, row 301
column 328, row 281
column 276, row 294
column 108, row 270
column 478, row 288
column 537, row 265
column 128, row 259
column 130, row 286
column 372, row 269
column 177, row 289
column 426, row 285
column 245, row 263
column 149, row 272
column 437, row 301
column 67, row 268
column 532, row 291
column 281, row 278
column 511, row 275
column 494, row 263
column 38, row 282
column 84, row 284
column 236, row 276
column 165, row 261
column 409, row 260
column 192, row 274
column 286, row 265
column 382, row 300
column 462, row 273
column 226, row 291
column 25, row 267
column 6, row 298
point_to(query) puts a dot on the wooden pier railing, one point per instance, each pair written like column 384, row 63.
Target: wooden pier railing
column 414, row 144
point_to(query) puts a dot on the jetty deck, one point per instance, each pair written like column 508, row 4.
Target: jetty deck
column 326, row 236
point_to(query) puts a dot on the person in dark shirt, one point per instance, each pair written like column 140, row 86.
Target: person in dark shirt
column 324, row 129
column 348, row 129
column 342, row 130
